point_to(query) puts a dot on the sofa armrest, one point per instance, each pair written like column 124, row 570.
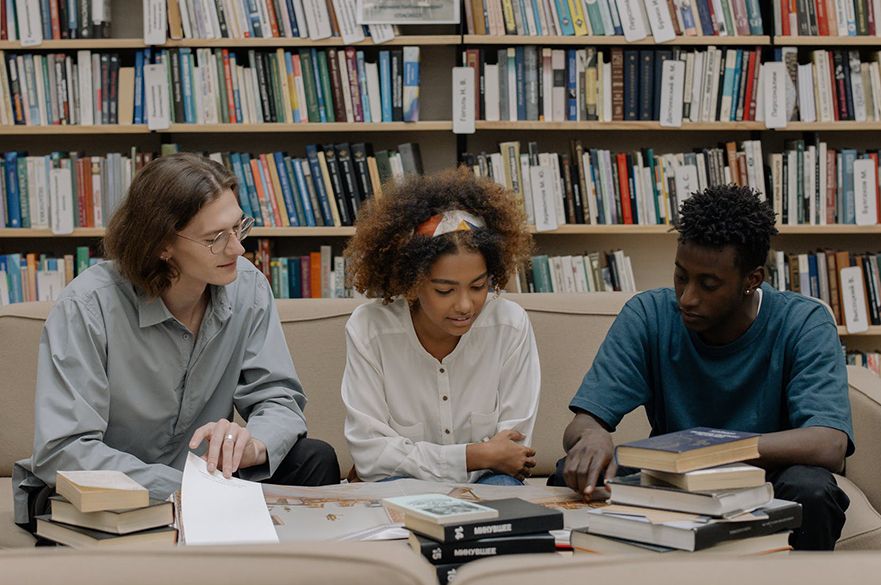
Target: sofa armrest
column 865, row 399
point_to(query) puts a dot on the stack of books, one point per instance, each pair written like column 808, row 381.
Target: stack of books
column 449, row 532
column 105, row 509
column 693, row 493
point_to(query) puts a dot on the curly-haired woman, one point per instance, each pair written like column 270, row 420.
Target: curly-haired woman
column 442, row 378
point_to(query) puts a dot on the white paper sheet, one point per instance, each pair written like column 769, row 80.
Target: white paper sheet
column 215, row 510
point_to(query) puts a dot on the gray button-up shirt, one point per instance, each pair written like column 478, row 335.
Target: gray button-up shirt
column 122, row 384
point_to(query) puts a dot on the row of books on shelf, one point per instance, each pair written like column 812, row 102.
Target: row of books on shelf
column 316, row 275
column 577, row 273
column 598, row 186
column 836, row 85
column 633, row 19
column 850, row 283
column 326, row 187
column 32, row 277
column 870, row 360
column 827, row 18
column 616, row 84
column 208, row 86
column 31, row 21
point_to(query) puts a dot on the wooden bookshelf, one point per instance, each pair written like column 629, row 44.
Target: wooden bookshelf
column 54, row 130
column 833, row 229
column 110, row 44
column 283, row 232
column 840, row 126
column 631, row 126
column 591, row 41
column 871, row 331
column 818, row 41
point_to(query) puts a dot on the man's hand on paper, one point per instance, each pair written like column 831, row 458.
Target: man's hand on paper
column 230, row 447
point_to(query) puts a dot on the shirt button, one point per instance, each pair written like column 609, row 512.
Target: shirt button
column 442, row 370
column 186, row 336
column 445, row 398
column 447, row 431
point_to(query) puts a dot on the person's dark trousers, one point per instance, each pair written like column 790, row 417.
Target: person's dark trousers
column 823, row 504
column 309, row 462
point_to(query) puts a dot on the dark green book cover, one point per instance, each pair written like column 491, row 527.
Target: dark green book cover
column 306, row 70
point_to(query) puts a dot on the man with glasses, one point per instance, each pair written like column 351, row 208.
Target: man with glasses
column 144, row 358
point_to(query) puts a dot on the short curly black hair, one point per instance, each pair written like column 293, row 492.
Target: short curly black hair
column 386, row 260
column 729, row 215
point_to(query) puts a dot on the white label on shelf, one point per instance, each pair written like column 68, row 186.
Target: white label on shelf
column 775, row 77
column 463, row 100
column 156, row 94
column 350, row 30
column 856, row 317
column 30, row 28
column 61, row 209
column 659, row 19
column 630, row 12
column 154, row 22
column 543, row 194
column 686, row 182
column 672, row 85
column 865, row 191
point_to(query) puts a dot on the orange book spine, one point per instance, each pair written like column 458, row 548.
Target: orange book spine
column 315, row 274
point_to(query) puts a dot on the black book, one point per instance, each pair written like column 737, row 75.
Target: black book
column 114, row 89
column 350, row 181
column 646, row 84
column 221, row 17
column 177, row 96
column 336, row 182
column 411, row 158
column 848, row 88
column 397, row 75
column 777, row 516
column 85, row 18
column 720, row 91
column 461, row 552
column 257, row 62
column 516, row 516
column 105, row 88
column 631, row 85
column 660, row 56
column 447, row 573
column 360, row 152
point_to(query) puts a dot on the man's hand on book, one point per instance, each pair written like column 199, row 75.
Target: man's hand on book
column 592, row 454
column 230, row 447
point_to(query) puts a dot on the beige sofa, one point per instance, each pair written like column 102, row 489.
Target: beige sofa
column 568, row 329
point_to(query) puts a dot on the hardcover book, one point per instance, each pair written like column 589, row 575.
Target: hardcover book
column 441, row 509
column 688, row 450
column 459, row 552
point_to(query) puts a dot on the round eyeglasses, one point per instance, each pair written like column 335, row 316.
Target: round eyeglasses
column 219, row 242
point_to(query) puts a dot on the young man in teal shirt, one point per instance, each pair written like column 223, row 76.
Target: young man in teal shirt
column 724, row 349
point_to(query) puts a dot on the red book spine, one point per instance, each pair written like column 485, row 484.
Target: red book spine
column 822, row 18
column 354, row 89
column 273, row 19
column 472, row 59
column 53, row 17
column 306, row 277
column 227, row 78
column 874, row 157
column 750, row 84
column 623, row 187
column 833, row 85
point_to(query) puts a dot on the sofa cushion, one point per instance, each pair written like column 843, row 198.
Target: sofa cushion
column 801, row 568
column 11, row 536
column 288, row 564
column 862, row 528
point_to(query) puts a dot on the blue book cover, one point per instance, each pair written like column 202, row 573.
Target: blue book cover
column 703, row 12
column 524, row 21
column 848, row 156
column 13, row 205
column 295, row 285
column 541, row 274
column 186, row 81
column 728, row 83
column 601, row 208
column 814, row 276
column 292, row 14
column 24, row 200
column 362, row 84
column 236, row 91
column 754, row 14
column 319, row 87
column 289, row 69
column 30, row 77
column 735, row 86
column 46, row 20
column 385, row 85
column 687, row 440
column 565, row 18
column 267, row 191
column 520, row 62
column 244, row 197
column 286, row 190
column 295, row 190
column 649, row 156
column 253, row 19
column 537, row 17
column 283, row 281
column 139, row 88
column 4, row 274
column 571, row 85
column 616, row 19
column 259, row 220
column 13, row 267
column 304, row 192
column 318, row 181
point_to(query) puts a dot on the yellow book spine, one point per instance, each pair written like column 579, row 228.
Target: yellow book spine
column 578, row 21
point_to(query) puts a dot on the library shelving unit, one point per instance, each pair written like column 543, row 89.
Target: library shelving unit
column 651, row 247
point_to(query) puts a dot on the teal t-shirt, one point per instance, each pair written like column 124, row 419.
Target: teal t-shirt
column 786, row 371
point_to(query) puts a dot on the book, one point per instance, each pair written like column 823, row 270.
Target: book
column 441, row 509
column 79, row 537
column 157, row 513
column 688, row 450
column 692, row 532
column 647, row 492
column 516, row 516
column 442, row 553
column 730, row 476
column 585, row 542
column 92, row 491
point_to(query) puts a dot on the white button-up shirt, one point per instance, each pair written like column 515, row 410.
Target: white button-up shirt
column 408, row 414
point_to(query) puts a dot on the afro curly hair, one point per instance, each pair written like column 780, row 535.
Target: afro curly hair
column 729, row 215
column 386, row 260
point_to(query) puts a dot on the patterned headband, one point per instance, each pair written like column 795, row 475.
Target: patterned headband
column 454, row 220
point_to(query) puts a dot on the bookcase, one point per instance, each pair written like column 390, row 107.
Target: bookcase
column 651, row 247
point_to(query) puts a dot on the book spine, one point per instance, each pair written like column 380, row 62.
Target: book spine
column 501, row 528
column 440, row 554
column 779, row 519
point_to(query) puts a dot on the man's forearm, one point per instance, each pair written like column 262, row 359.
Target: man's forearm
column 582, row 422
column 820, row 446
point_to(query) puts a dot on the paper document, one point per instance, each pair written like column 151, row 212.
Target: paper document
column 215, row 510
